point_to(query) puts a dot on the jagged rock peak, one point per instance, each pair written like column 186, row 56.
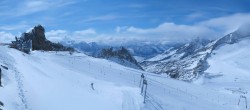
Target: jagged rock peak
column 39, row 31
column 39, row 41
column 121, row 56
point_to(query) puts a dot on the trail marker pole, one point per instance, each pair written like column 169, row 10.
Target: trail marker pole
column 145, row 83
column 142, row 88
column 142, row 78
column 92, row 86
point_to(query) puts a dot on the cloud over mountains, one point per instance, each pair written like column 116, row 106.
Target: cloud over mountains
column 168, row 31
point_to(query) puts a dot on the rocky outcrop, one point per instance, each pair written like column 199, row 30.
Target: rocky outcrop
column 38, row 41
column 121, row 56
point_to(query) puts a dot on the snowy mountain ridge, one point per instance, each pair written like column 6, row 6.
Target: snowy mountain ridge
column 138, row 51
column 190, row 61
column 137, row 48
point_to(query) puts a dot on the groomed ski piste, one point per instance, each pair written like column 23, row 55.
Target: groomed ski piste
column 60, row 81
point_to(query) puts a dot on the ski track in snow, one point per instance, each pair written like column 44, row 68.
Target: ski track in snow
column 20, row 86
column 154, row 103
column 128, row 102
column 21, row 90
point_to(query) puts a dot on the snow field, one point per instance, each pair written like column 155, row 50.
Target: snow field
column 57, row 80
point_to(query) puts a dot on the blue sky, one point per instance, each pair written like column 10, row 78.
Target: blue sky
column 92, row 20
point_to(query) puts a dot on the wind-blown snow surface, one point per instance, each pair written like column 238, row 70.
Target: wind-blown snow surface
column 231, row 62
column 60, row 81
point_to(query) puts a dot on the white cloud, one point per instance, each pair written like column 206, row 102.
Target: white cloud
column 32, row 7
column 85, row 32
column 209, row 29
column 119, row 29
column 195, row 15
column 101, row 18
column 29, row 30
column 165, row 32
column 64, row 3
column 227, row 24
column 172, row 31
column 6, row 37
column 56, row 32
column 244, row 29
column 59, row 35
column 35, row 4
column 56, row 35
column 27, row 7
column 13, row 27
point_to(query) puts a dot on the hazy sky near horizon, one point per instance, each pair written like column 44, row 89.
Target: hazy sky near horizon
column 112, row 20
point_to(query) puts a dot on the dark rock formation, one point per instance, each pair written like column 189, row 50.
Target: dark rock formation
column 39, row 41
column 121, row 56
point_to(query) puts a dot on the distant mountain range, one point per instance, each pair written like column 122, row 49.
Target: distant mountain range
column 189, row 61
column 143, row 50
column 178, row 60
column 128, row 55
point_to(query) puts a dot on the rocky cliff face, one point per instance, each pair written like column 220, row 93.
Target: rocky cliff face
column 39, row 41
column 189, row 61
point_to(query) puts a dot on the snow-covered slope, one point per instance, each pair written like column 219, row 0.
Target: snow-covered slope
column 229, row 67
column 229, row 70
column 60, row 81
